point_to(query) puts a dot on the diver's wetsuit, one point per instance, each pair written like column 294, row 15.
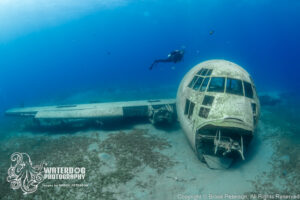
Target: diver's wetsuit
column 174, row 56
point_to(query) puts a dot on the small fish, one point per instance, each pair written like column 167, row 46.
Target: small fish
column 211, row 32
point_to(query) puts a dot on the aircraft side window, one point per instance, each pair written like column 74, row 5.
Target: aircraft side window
column 234, row 86
column 187, row 106
column 216, row 84
column 191, row 110
column 254, row 90
column 203, row 112
column 198, row 83
column 248, row 89
column 208, row 100
column 191, row 84
column 254, row 110
column 204, row 84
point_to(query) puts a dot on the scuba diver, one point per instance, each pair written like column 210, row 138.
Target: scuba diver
column 175, row 56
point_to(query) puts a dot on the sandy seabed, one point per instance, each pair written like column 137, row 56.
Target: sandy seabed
column 142, row 161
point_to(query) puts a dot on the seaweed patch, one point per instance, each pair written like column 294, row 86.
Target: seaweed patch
column 109, row 162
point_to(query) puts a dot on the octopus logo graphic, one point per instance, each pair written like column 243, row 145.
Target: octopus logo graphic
column 22, row 174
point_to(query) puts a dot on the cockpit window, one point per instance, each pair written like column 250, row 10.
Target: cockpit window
column 204, row 84
column 234, row 86
column 200, row 71
column 191, row 84
column 209, row 72
column 248, row 90
column 205, row 72
column 198, row 83
column 216, row 84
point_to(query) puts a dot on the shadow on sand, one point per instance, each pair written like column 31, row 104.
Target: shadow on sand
column 106, row 125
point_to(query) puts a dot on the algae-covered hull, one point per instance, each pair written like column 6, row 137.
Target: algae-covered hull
column 218, row 109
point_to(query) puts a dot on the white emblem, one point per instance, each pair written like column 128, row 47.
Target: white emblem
column 22, row 174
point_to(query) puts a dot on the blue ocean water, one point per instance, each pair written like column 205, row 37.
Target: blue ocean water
column 59, row 48
column 67, row 51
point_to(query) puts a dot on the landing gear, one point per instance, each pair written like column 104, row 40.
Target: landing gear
column 227, row 145
column 218, row 147
column 161, row 113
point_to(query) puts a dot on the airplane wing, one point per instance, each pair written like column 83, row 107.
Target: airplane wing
column 156, row 110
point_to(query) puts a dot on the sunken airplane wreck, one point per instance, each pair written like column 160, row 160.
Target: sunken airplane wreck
column 216, row 105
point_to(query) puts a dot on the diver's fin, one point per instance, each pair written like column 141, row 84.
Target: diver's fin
column 151, row 67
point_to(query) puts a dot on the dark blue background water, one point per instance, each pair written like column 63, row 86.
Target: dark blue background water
column 112, row 47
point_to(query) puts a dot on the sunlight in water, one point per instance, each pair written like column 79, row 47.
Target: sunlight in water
column 22, row 16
